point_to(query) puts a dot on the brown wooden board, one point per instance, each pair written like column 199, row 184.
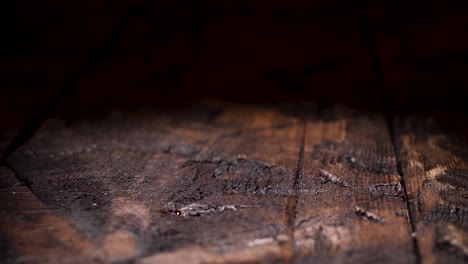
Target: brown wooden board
column 210, row 182
column 350, row 205
column 214, row 183
column 435, row 167
column 218, row 183
column 30, row 230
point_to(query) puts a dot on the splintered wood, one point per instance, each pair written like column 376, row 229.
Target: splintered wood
column 435, row 165
column 219, row 183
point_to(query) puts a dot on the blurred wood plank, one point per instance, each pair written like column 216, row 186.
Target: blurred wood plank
column 350, row 205
column 30, row 230
column 148, row 183
column 435, row 166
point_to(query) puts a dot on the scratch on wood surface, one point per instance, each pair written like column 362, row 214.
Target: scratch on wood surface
column 392, row 188
column 367, row 215
column 326, row 177
column 437, row 171
column 197, row 209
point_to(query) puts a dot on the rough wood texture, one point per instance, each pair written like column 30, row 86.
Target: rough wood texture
column 31, row 232
column 219, row 183
column 212, row 179
column 435, row 166
column 350, row 206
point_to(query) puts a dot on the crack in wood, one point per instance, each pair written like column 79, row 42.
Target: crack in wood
column 289, row 215
column 389, row 110
column 395, row 135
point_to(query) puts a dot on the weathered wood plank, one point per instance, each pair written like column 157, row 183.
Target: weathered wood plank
column 219, row 184
column 147, row 184
column 350, row 206
column 435, row 166
column 30, row 231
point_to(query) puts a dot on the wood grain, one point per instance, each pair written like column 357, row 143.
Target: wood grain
column 30, row 230
column 219, row 183
column 350, row 206
column 435, row 167
column 149, row 183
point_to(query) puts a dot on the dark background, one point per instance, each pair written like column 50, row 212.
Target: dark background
column 74, row 59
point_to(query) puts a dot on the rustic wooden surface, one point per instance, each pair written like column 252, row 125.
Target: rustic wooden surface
column 31, row 230
column 225, row 183
column 211, row 182
column 222, row 183
column 352, row 209
column 435, row 167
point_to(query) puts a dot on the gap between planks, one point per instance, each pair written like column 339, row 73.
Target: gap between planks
column 394, row 134
column 289, row 215
column 389, row 112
